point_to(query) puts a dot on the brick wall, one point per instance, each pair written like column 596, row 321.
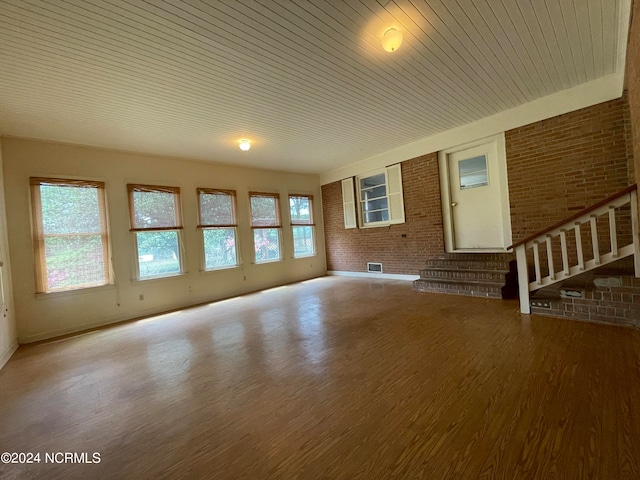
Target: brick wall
column 564, row 164
column 633, row 83
column 610, row 304
column 350, row 250
column 556, row 167
column 628, row 138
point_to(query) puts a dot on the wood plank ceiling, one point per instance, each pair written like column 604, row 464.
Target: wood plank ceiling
column 306, row 81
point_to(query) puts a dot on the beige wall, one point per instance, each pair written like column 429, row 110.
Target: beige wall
column 8, row 334
column 43, row 316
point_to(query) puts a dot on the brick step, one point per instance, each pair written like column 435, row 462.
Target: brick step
column 502, row 257
column 480, row 275
column 460, row 287
column 497, row 276
column 467, row 264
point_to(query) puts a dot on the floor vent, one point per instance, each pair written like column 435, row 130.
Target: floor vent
column 374, row 267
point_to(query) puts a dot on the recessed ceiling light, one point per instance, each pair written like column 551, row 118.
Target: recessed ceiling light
column 391, row 40
column 245, row 145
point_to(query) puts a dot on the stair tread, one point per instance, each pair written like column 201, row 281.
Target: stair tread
column 459, row 281
column 453, row 263
column 475, row 270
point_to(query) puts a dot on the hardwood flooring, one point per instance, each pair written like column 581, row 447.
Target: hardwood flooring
column 334, row 378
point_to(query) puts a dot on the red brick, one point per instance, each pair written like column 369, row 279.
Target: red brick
column 632, row 314
column 350, row 250
column 556, row 167
column 632, row 72
column 602, row 318
column 625, row 321
column 567, row 162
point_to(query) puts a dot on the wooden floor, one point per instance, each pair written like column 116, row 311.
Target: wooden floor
column 334, row 378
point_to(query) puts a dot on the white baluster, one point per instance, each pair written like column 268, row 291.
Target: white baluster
column 612, row 231
column 536, row 263
column 579, row 247
column 552, row 273
column 565, row 254
column 523, row 278
column 594, row 239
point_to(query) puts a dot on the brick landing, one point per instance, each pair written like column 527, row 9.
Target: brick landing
column 617, row 304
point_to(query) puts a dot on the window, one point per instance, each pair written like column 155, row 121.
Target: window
column 374, row 203
column 217, row 212
column 301, row 210
column 380, row 200
column 265, row 222
column 473, row 172
column 156, row 222
column 71, row 241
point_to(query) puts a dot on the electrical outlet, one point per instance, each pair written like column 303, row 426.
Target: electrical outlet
column 541, row 303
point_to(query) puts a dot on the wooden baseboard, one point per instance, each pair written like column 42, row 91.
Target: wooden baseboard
column 6, row 355
column 389, row 276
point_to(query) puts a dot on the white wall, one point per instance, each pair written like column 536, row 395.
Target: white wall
column 8, row 334
column 47, row 315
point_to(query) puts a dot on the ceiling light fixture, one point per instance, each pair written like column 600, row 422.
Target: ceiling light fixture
column 245, row 145
column 391, row 40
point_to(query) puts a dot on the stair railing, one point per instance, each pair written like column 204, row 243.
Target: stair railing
column 544, row 238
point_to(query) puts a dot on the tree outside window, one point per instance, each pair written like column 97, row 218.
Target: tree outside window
column 265, row 222
column 218, row 223
column 302, row 226
column 71, row 241
column 156, row 222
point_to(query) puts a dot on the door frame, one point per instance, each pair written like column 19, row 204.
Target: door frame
column 496, row 142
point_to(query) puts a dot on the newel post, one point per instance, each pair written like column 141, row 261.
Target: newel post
column 523, row 278
column 635, row 232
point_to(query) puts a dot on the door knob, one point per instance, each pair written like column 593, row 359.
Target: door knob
column 453, row 204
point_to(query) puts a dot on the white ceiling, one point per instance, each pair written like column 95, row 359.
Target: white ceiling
column 306, row 81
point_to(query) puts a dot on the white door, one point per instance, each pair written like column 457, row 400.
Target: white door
column 475, row 198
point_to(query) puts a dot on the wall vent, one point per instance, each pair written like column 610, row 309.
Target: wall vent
column 374, row 267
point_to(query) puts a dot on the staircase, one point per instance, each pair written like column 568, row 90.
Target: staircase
column 600, row 235
column 478, row 275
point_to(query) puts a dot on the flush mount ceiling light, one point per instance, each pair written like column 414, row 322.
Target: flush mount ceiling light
column 245, row 145
column 391, row 40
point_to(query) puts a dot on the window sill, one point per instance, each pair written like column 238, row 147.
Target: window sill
column 266, row 262
column 156, row 279
column 75, row 291
column 220, row 269
column 374, row 225
column 301, row 257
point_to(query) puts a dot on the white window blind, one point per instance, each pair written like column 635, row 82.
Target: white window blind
column 71, row 241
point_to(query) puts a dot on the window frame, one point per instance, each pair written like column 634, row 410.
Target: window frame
column 39, row 237
column 310, row 223
column 137, row 187
column 202, row 226
column 393, row 194
column 361, row 211
column 276, row 225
